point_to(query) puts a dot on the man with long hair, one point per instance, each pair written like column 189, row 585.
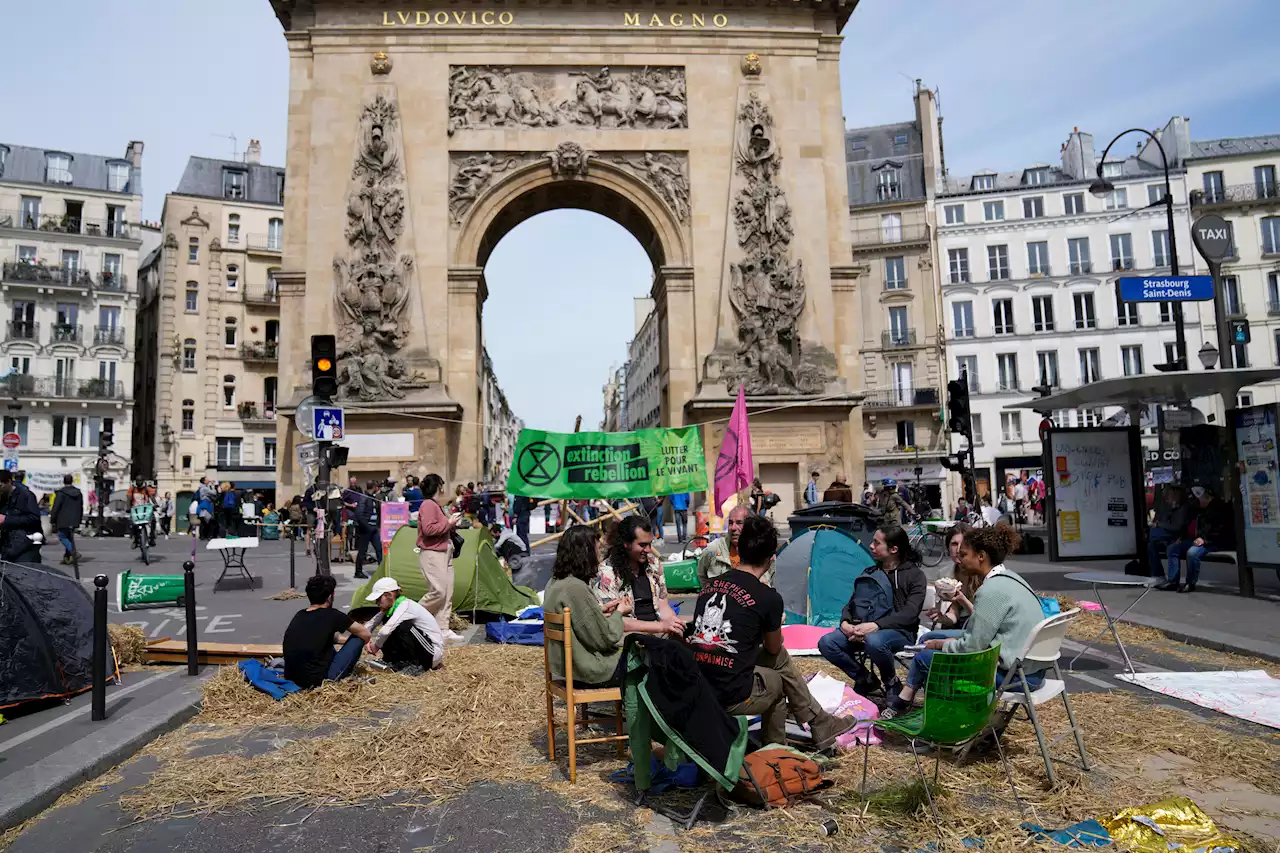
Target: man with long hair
column 631, row 571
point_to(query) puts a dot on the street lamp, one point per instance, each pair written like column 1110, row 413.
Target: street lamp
column 1102, row 187
column 1208, row 355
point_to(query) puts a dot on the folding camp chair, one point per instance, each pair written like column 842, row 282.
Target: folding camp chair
column 558, row 627
column 959, row 696
column 1044, row 648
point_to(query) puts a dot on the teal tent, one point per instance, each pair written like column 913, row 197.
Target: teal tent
column 814, row 574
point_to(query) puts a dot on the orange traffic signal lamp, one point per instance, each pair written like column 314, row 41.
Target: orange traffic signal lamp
column 324, row 372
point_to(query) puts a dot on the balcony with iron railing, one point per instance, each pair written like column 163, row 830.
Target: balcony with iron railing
column 898, row 338
column 46, row 275
column 269, row 243
column 1081, row 267
column 253, row 415
column 1273, row 307
column 260, row 351
column 111, row 282
column 902, row 398
column 22, row 330
column 234, row 460
column 65, row 333
column 108, row 336
column 20, row 385
column 115, row 229
column 872, row 238
column 264, row 297
column 1236, row 194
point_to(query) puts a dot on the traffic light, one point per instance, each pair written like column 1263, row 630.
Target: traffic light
column 324, row 366
column 955, row 463
column 958, row 404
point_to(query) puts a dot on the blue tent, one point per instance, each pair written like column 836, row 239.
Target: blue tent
column 814, row 574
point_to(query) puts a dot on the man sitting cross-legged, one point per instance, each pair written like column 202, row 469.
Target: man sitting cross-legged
column 737, row 642
column 405, row 631
column 309, row 658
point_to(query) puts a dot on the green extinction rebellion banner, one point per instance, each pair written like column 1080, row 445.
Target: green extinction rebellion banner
column 608, row 464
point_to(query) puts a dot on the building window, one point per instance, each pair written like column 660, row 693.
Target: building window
column 895, row 274
column 1073, row 204
column 118, row 177
column 1007, row 371
column 233, row 277
column 1271, row 235
column 188, row 415
column 233, row 228
column 1121, row 251
column 993, row 210
column 1038, row 258
column 906, row 434
column 268, row 451
column 1042, row 312
column 112, row 266
column 1264, row 181
column 67, row 431
column 1244, row 400
column 1240, row 355
column 1002, row 316
column 189, row 354
column 888, row 184
column 1047, row 368
column 1160, row 248
column 1033, row 208
column 891, row 228
column 234, row 183
column 27, row 254
column 230, row 332
column 30, row 212
column 1231, row 296
column 228, row 392
column 1086, row 318
column 18, row 425
column 275, row 234
column 1089, row 366
column 1112, row 170
column 1117, row 199
column 279, row 187
column 1273, row 293
column 958, row 262
column 954, row 214
column 1078, row 255
column 1166, row 312
column 1035, row 177
column 1011, row 427
column 193, row 250
column 1170, row 352
column 1131, row 359
column 975, row 423
column 1155, row 193
column 1126, row 312
column 1213, row 192
column 899, row 331
column 4, row 153
column 962, row 315
column 1091, row 417
column 984, row 182
column 193, row 297
column 186, row 464
column 57, row 170
column 229, row 452
column 967, row 368
column 998, row 263
column 107, row 371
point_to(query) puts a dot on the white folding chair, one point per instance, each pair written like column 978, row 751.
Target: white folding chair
column 1043, row 650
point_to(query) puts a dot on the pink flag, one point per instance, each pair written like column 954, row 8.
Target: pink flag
column 734, row 468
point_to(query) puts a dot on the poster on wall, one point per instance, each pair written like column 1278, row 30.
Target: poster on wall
column 1093, row 487
column 1255, row 432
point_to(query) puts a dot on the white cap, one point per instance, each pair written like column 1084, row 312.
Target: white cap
column 383, row 585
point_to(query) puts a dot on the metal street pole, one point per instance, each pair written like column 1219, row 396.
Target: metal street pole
column 1226, row 353
column 322, row 506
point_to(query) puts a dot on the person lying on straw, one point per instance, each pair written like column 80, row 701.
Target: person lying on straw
column 309, row 658
column 403, row 630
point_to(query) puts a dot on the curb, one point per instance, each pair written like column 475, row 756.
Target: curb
column 39, row 786
column 1209, row 639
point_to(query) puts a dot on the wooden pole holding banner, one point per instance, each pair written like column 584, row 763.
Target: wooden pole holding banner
column 630, row 507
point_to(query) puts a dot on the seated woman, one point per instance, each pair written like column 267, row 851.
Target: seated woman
column 956, row 592
column 596, row 630
column 1005, row 612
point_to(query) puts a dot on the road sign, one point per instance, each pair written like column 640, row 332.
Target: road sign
column 11, row 439
column 1239, row 331
column 11, row 459
column 302, row 418
column 1166, row 288
column 1212, row 236
column 327, row 423
column 308, row 453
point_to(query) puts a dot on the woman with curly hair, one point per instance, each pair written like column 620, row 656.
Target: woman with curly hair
column 1005, row 612
column 597, row 631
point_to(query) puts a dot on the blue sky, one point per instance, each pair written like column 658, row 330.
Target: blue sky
column 1014, row 76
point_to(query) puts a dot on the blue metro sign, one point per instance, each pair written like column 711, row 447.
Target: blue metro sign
column 1167, row 288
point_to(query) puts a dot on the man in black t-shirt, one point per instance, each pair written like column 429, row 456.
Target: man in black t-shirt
column 309, row 658
column 737, row 642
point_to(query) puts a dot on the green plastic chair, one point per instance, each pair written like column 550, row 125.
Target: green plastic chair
column 959, row 698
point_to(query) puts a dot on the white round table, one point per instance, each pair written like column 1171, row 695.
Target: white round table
column 1113, row 579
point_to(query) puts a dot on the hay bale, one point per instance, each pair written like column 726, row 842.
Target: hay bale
column 129, row 644
column 285, row 595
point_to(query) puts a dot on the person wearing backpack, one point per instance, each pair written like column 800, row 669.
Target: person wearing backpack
column 883, row 613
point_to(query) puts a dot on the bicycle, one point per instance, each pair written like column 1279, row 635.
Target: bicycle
column 140, row 521
column 929, row 543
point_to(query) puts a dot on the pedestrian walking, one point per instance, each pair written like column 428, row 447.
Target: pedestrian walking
column 680, row 514
column 166, row 510
column 65, row 516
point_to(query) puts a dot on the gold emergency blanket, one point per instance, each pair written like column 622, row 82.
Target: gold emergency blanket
column 1175, row 823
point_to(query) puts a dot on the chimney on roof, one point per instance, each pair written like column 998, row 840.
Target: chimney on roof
column 1078, row 157
column 133, row 153
column 253, row 154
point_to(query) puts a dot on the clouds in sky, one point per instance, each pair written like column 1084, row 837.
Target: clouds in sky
column 1014, row 76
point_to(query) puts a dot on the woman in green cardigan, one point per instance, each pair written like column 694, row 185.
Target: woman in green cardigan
column 597, row 631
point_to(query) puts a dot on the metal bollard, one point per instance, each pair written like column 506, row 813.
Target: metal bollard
column 75, row 562
column 99, row 674
column 189, row 600
column 293, row 584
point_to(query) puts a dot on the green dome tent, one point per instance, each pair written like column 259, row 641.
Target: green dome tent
column 480, row 583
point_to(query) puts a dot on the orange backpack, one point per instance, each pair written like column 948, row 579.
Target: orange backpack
column 779, row 777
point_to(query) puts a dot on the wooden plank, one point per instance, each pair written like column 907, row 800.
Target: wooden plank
column 175, row 651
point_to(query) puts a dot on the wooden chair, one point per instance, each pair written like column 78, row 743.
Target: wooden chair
column 559, row 627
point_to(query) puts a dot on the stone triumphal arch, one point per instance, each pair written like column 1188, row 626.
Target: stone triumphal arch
column 419, row 136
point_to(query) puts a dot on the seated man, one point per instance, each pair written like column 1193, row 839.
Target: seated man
column 632, row 573
column 1173, row 517
column 882, row 627
column 1212, row 530
column 309, row 658
column 404, row 630
column 737, row 642
column 722, row 555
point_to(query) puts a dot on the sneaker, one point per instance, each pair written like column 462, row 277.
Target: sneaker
column 453, row 637
column 1187, row 587
column 1167, row 585
column 360, row 575
column 826, row 728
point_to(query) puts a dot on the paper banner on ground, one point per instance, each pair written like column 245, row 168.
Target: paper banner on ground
column 1249, row 695
column 394, row 516
column 644, row 463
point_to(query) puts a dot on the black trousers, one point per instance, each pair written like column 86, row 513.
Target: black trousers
column 367, row 536
column 408, row 645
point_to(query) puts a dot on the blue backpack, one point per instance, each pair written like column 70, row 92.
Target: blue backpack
column 872, row 595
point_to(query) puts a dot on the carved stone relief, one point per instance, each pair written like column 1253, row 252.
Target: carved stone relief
column 667, row 174
column 540, row 97
column 570, row 160
column 766, row 288
column 371, row 285
column 471, row 175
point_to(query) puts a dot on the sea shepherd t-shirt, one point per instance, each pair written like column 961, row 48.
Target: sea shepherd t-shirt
column 308, row 644
column 733, row 615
